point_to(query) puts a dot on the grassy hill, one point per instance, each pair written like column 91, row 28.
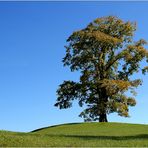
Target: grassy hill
column 80, row 135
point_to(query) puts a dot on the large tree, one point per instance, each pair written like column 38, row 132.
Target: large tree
column 107, row 57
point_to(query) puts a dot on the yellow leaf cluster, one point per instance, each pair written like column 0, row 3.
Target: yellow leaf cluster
column 114, row 86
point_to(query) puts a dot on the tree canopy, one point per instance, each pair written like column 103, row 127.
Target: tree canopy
column 107, row 57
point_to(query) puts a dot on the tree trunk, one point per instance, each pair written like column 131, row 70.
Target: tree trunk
column 103, row 117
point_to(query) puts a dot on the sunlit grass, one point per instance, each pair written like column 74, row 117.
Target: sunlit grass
column 80, row 135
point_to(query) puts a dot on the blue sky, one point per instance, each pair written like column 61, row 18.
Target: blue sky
column 32, row 39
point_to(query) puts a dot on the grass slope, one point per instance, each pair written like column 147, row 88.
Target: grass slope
column 80, row 135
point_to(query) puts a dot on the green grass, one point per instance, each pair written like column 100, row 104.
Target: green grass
column 80, row 135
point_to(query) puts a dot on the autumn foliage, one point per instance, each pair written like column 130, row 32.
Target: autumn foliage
column 106, row 56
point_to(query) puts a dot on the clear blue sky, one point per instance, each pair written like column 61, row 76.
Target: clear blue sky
column 32, row 39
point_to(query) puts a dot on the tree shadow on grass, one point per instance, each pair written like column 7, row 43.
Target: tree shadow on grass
column 86, row 137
